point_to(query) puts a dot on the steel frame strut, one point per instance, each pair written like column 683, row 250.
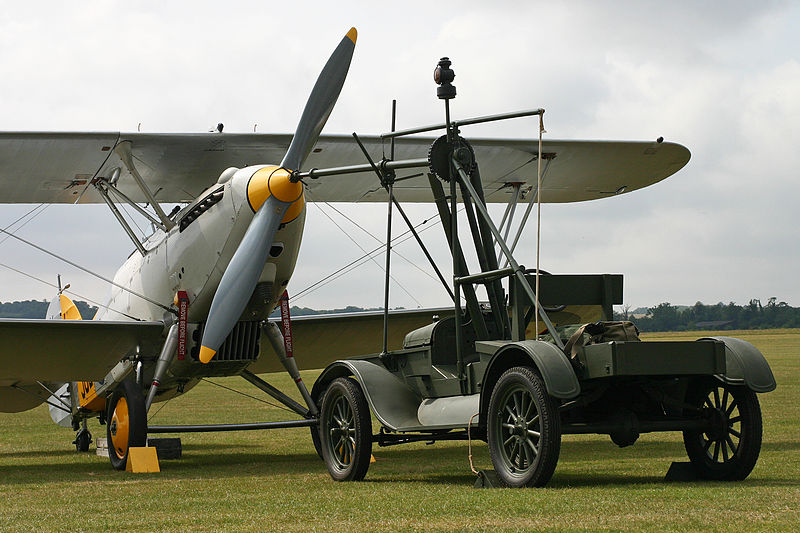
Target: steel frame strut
column 252, row 426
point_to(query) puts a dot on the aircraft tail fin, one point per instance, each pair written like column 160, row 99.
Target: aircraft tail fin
column 62, row 308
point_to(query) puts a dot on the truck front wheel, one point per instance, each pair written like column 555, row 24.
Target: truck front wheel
column 524, row 430
column 345, row 430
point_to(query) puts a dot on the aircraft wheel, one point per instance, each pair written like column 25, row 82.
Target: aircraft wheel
column 345, row 430
column 729, row 449
column 126, row 424
column 82, row 440
column 523, row 429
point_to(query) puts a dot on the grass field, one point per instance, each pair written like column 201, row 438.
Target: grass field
column 274, row 480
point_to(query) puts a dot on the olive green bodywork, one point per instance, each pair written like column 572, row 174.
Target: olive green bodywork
column 407, row 385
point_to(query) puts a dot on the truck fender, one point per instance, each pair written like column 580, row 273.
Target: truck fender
column 744, row 363
column 392, row 401
column 551, row 363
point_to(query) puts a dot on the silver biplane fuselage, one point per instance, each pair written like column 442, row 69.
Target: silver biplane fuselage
column 194, row 254
column 192, row 257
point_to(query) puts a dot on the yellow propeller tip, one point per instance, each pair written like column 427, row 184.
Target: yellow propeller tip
column 206, row 354
column 352, row 35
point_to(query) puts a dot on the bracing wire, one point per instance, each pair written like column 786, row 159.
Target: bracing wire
column 41, row 208
column 394, row 251
column 370, row 257
column 95, row 274
column 73, row 293
column 352, row 265
column 248, row 395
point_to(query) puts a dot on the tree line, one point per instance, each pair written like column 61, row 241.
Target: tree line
column 38, row 309
column 754, row 315
column 663, row 317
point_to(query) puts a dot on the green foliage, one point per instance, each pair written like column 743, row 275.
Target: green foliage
column 754, row 315
column 304, row 311
column 38, row 309
column 26, row 309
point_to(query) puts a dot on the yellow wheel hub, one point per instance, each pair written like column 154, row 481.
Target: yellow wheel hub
column 120, row 428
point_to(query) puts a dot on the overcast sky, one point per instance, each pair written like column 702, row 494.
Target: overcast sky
column 723, row 79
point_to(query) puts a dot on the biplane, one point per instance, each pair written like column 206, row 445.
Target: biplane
column 193, row 300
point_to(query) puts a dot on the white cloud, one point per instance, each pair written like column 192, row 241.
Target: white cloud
column 722, row 79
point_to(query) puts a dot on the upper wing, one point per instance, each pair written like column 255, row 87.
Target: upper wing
column 56, row 167
column 573, row 171
column 68, row 350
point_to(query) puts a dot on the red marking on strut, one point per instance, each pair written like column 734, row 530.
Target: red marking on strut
column 286, row 322
column 183, row 314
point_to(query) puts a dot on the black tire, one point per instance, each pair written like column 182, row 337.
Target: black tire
column 727, row 451
column 345, row 430
column 126, row 412
column 523, row 429
column 82, row 440
column 315, row 440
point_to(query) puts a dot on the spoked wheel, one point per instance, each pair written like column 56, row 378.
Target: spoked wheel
column 524, row 430
column 729, row 449
column 126, row 424
column 345, row 430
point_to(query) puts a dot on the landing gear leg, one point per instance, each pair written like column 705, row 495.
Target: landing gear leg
column 83, row 438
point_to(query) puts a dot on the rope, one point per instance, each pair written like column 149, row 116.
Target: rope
column 469, row 443
column 538, row 220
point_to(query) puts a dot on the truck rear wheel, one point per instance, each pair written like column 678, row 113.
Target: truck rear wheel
column 345, row 430
column 524, row 429
column 729, row 449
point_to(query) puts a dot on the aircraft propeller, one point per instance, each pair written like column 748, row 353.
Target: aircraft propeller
column 275, row 197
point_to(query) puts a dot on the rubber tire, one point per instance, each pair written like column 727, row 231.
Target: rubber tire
column 83, row 439
column 315, row 430
column 541, row 469
column 739, row 466
column 348, row 389
column 137, row 421
column 316, row 441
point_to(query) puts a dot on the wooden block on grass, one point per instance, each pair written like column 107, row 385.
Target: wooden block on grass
column 142, row 460
column 167, row 448
column 101, row 444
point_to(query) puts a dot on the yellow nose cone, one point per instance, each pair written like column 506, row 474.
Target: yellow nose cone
column 274, row 181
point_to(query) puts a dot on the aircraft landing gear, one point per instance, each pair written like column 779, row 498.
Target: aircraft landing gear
column 126, row 424
column 83, row 439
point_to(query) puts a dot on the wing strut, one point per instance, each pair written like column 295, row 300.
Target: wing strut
column 123, row 149
column 122, row 222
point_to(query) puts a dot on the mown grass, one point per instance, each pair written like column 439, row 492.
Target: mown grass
column 274, row 480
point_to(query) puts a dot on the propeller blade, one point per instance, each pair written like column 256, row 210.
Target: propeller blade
column 271, row 198
column 240, row 278
column 320, row 103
